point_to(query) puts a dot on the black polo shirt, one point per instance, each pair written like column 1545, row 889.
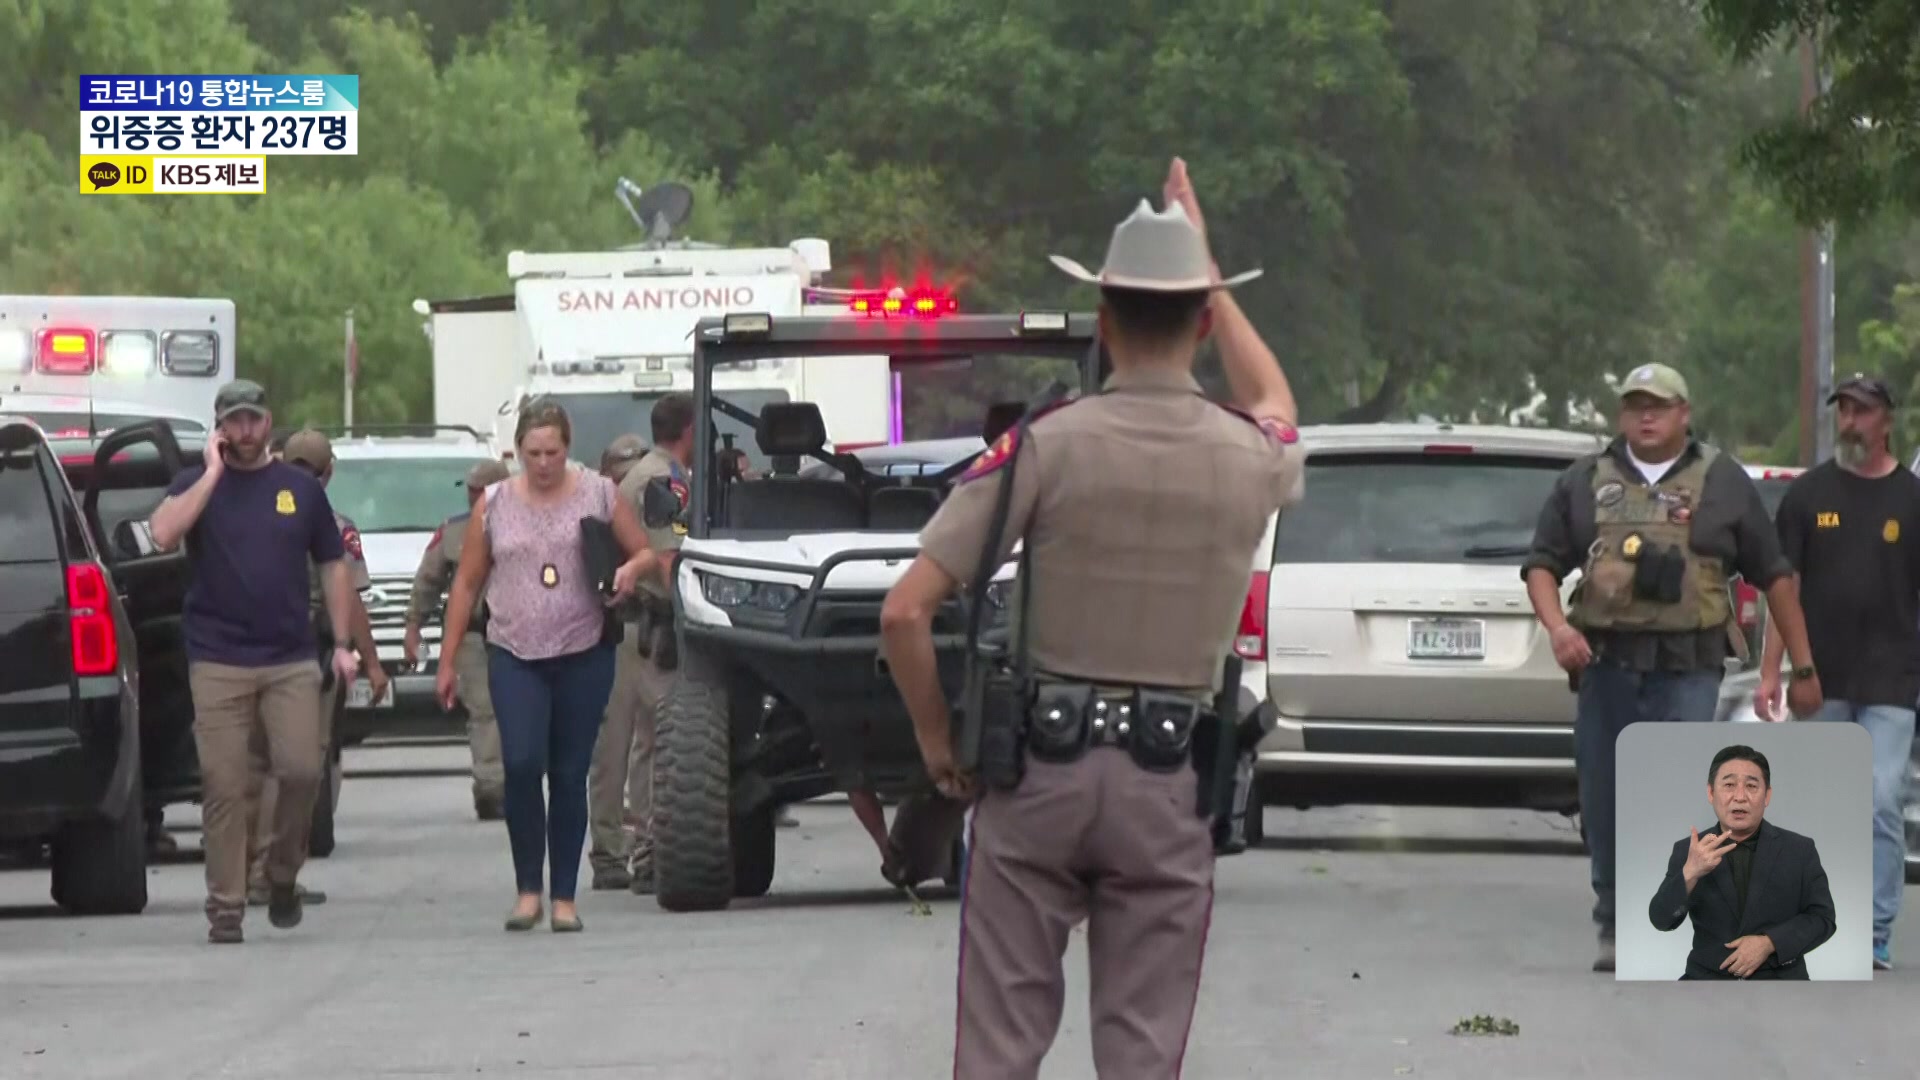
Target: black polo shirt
column 1856, row 542
column 1730, row 524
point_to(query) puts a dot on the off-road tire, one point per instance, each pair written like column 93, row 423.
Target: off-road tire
column 320, row 838
column 753, row 851
column 100, row 864
column 692, row 842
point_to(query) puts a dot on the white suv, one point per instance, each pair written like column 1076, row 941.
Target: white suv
column 1403, row 661
column 398, row 484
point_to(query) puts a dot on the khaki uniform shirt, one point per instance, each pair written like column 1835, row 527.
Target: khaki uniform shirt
column 356, row 560
column 437, row 566
column 1141, row 507
column 656, row 466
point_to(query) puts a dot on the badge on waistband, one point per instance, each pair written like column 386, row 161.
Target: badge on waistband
column 1630, row 547
column 550, row 575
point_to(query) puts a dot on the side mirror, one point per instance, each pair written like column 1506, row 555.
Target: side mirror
column 658, row 504
column 134, row 540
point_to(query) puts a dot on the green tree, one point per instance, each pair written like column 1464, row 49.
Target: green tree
column 1858, row 149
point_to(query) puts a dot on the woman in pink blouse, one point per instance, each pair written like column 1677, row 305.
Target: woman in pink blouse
column 548, row 665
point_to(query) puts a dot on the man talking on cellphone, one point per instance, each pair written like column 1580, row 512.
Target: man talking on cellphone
column 250, row 524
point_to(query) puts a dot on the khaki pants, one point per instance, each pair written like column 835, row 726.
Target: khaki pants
column 1100, row 840
column 620, row 784
column 261, row 840
column 233, row 707
column 483, row 730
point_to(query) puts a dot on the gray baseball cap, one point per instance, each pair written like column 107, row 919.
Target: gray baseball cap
column 238, row 396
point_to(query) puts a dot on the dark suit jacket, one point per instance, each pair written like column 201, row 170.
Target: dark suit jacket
column 1787, row 900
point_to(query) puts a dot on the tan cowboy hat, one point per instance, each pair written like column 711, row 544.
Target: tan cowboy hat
column 1158, row 252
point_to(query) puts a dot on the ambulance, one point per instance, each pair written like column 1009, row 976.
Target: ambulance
column 99, row 362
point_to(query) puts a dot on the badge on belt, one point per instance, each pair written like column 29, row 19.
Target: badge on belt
column 550, row 575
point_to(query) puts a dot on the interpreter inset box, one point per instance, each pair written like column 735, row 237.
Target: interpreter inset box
column 1743, row 852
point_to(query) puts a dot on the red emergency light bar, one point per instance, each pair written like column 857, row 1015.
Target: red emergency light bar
column 67, row 351
column 902, row 303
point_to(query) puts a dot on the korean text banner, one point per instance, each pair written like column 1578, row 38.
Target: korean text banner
column 220, row 93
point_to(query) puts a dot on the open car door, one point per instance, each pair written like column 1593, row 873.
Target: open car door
column 126, row 479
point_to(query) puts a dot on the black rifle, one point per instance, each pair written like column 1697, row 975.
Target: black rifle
column 989, row 718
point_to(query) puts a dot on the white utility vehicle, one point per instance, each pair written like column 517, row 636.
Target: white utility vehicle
column 781, row 693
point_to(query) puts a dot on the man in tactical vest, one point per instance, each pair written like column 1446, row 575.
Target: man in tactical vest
column 1110, row 749
column 312, row 451
column 657, row 487
column 430, row 584
column 1656, row 524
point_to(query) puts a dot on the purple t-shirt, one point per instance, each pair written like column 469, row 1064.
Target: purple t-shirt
column 248, row 602
column 540, row 603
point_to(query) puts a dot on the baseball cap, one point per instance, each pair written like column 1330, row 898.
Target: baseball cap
column 485, row 474
column 1657, row 380
column 1865, row 389
column 623, row 450
column 238, row 396
column 309, row 448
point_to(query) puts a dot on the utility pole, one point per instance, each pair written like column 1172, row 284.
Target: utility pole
column 349, row 362
column 1816, row 295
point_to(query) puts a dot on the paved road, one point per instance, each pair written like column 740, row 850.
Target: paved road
column 1347, row 948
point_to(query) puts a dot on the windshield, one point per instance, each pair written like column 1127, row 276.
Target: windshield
column 598, row 419
column 1417, row 508
column 407, row 494
column 948, row 399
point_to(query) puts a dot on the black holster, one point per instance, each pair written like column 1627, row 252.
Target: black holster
column 989, row 728
column 323, row 648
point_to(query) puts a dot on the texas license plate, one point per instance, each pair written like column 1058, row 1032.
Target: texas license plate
column 360, row 696
column 1446, row 639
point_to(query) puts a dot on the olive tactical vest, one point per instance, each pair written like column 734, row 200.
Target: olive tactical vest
column 1634, row 523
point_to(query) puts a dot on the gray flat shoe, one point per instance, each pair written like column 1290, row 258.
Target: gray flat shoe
column 568, row 925
column 523, row 922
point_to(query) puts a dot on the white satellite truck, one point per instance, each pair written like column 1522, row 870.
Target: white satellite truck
column 607, row 334
column 780, row 692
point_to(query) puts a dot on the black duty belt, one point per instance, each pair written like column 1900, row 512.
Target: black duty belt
column 1155, row 727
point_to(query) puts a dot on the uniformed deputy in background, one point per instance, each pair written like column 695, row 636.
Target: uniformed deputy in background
column 657, row 487
column 430, row 584
column 1656, row 523
column 1136, row 579
column 310, row 450
column 615, row 783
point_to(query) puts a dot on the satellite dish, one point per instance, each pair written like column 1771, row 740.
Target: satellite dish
column 658, row 210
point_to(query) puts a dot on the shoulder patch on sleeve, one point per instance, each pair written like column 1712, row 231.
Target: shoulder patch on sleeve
column 994, row 459
column 439, row 534
column 1277, row 431
column 350, row 537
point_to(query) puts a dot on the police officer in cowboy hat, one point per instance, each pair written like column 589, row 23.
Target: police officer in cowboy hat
column 1135, row 580
column 1656, row 523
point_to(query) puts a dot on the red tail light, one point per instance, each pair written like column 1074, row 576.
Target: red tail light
column 1250, row 640
column 1746, row 605
column 96, row 643
column 1447, row 448
column 67, row 351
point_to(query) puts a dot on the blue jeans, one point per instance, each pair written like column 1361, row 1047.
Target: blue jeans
column 1610, row 699
column 1891, row 730
column 549, row 713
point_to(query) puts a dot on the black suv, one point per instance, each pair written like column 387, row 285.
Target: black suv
column 94, row 709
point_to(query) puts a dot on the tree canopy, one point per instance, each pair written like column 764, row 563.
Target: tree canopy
column 1467, row 208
